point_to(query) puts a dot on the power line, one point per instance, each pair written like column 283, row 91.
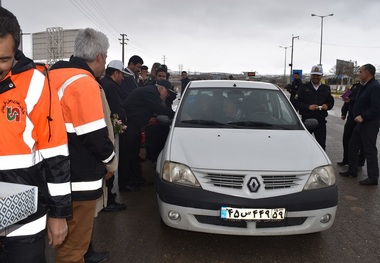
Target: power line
column 108, row 25
column 86, row 11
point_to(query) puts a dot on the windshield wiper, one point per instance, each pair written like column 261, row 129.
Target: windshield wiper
column 257, row 124
column 250, row 123
column 203, row 122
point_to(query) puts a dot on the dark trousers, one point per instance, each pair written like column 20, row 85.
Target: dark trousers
column 364, row 135
column 122, row 165
column 292, row 98
column 159, row 134
column 133, row 172
column 148, row 143
column 320, row 132
column 110, row 195
column 347, row 133
column 25, row 249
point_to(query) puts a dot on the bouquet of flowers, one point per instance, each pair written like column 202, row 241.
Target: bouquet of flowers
column 118, row 126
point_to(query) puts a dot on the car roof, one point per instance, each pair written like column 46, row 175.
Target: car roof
column 232, row 84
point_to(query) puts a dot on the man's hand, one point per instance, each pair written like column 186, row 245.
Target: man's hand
column 313, row 107
column 108, row 175
column 359, row 119
column 343, row 117
column 57, row 231
column 152, row 121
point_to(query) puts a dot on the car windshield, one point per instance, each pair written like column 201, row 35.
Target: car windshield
column 239, row 108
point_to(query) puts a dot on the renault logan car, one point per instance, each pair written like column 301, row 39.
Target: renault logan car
column 238, row 160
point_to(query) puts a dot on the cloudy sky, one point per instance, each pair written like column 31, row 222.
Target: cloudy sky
column 218, row 35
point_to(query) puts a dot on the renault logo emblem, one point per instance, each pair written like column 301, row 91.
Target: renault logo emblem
column 253, row 185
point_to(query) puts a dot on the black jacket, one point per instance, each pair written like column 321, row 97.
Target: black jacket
column 115, row 97
column 142, row 104
column 367, row 102
column 296, row 83
column 307, row 96
column 128, row 84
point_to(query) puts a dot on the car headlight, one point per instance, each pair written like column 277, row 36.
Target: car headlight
column 179, row 174
column 321, row 177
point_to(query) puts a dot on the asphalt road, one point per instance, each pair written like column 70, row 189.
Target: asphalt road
column 137, row 235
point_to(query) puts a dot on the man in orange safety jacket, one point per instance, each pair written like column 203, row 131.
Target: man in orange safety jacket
column 89, row 145
column 33, row 150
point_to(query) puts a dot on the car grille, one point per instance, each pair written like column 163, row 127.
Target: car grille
column 215, row 220
column 237, row 181
column 226, row 180
column 279, row 181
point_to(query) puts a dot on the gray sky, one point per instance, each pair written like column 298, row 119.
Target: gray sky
column 218, row 35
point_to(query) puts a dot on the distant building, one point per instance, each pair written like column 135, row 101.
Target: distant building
column 54, row 44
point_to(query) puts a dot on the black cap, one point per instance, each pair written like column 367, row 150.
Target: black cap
column 166, row 84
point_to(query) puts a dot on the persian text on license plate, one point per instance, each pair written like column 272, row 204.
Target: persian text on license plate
column 252, row 213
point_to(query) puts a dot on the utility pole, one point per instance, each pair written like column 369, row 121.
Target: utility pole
column 164, row 59
column 123, row 40
column 291, row 60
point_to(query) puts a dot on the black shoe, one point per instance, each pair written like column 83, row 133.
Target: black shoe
column 129, row 188
column 341, row 163
column 348, row 174
column 369, row 181
column 96, row 257
column 114, row 207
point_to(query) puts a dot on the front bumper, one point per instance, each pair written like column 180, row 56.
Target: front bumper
column 199, row 210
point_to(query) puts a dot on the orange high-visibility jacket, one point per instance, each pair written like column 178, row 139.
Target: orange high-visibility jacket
column 89, row 146
column 33, row 144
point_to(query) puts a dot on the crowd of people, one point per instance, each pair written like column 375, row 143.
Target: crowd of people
column 68, row 129
column 361, row 108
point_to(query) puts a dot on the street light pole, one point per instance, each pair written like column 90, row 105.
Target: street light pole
column 291, row 59
column 320, row 50
column 285, row 59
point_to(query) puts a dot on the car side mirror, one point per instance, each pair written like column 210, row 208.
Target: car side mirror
column 164, row 120
column 311, row 124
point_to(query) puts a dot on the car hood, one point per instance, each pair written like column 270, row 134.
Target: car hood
column 246, row 149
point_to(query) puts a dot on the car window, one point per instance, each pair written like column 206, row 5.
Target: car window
column 236, row 108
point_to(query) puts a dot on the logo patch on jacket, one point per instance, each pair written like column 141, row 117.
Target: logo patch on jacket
column 13, row 114
column 13, row 110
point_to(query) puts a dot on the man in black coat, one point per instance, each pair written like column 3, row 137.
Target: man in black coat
column 184, row 81
column 313, row 100
column 111, row 86
column 140, row 106
column 348, row 115
column 367, row 115
column 131, row 75
column 296, row 83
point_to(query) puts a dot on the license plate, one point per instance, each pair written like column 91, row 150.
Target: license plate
column 255, row 214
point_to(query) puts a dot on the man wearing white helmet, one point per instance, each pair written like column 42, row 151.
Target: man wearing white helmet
column 313, row 100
